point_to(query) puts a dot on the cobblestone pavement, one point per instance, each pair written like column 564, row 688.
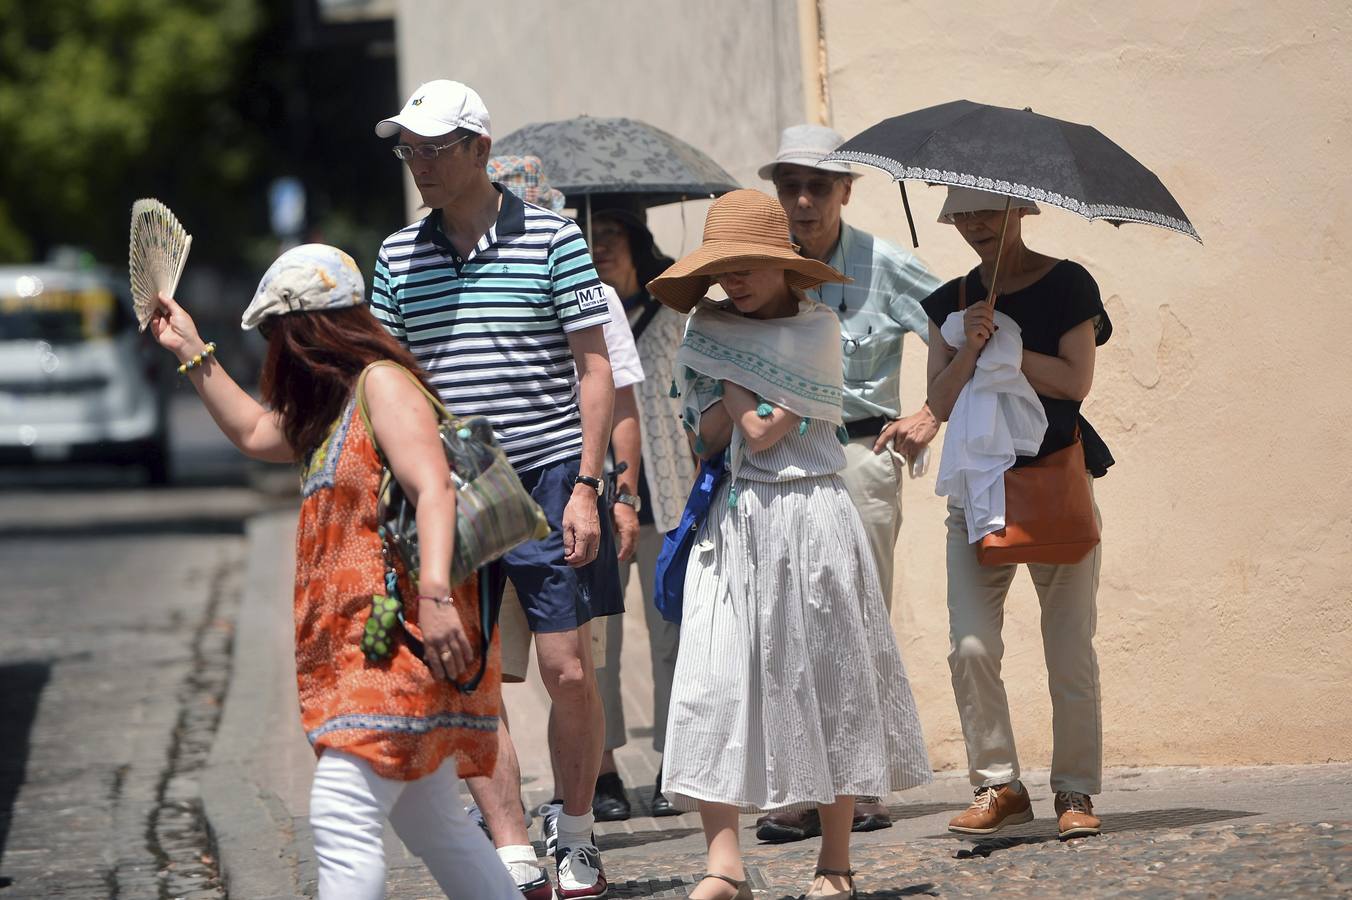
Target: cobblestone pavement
column 1287, row 860
column 1178, row 831
column 114, row 659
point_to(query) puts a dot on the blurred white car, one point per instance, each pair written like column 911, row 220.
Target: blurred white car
column 77, row 382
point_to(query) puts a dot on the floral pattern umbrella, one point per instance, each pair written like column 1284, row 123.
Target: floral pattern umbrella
column 588, row 156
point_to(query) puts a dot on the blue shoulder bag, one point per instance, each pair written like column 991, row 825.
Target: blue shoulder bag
column 669, row 583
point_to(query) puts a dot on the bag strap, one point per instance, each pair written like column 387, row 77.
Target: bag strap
column 962, row 293
column 364, row 411
column 641, row 325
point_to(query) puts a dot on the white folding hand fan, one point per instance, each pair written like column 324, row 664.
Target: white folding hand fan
column 159, row 248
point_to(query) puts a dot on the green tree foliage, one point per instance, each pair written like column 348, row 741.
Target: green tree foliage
column 102, row 101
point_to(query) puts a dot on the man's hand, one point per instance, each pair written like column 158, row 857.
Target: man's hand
column 581, row 527
column 625, row 519
column 910, row 435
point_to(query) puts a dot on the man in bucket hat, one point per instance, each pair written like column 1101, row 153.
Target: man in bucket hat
column 876, row 309
column 500, row 303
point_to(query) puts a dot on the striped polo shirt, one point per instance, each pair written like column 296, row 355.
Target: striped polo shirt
column 491, row 328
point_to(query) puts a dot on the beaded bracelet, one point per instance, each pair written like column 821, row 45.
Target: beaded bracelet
column 197, row 360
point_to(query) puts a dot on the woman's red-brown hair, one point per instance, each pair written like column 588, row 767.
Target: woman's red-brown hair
column 313, row 362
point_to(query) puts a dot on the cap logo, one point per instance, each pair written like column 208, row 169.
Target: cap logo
column 417, row 101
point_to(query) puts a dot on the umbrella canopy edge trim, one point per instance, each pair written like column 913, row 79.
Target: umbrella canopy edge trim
column 1090, row 211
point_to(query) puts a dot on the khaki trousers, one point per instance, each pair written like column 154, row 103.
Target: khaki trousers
column 976, row 607
column 663, row 639
column 874, row 484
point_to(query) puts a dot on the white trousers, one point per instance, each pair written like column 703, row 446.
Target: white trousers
column 663, row 640
column 349, row 804
column 976, row 614
column 873, row 481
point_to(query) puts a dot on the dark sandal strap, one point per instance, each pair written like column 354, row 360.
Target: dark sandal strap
column 847, row 873
column 730, row 880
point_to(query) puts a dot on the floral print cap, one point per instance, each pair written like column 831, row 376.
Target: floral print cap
column 304, row 279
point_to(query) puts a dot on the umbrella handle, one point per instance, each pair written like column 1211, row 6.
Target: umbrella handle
column 910, row 220
column 999, row 252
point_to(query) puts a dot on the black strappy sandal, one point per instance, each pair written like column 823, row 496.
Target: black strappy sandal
column 838, row 895
column 743, row 887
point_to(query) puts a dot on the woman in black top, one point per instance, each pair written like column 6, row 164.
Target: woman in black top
column 1057, row 307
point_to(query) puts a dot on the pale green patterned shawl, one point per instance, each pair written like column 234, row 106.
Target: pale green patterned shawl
column 793, row 363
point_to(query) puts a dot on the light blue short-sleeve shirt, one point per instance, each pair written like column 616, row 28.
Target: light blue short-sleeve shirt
column 881, row 304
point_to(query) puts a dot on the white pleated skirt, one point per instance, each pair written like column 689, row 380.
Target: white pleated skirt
column 789, row 688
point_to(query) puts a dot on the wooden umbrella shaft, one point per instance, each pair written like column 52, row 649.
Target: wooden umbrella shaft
column 999, row 253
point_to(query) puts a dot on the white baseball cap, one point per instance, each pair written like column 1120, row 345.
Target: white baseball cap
column 437, row 108
column 965, row 199
column 806, row 145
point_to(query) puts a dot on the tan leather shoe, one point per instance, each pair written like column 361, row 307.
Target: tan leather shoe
column 1075, row 815
column 993, row 809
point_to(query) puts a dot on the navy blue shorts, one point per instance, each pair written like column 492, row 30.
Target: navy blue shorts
column 554, row 595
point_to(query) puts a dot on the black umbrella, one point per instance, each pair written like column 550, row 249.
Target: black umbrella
column 1018, row 153
column 587, row 157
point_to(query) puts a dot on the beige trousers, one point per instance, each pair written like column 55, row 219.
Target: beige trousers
column 663, row 638
column 976, row 608
column 874, row 484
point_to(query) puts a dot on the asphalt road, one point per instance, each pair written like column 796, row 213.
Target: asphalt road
column 117, row 602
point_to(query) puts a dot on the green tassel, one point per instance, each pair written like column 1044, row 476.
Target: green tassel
column 764, row 410
column 718, row 389
column 675, row 391
column 699, row 445
column 802, row 427
column 732, row 497
column 842, row 434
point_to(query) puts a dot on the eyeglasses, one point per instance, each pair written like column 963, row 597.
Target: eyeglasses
column 976, row 215
column 424, row 151
column 817, row 187
column 850, row 345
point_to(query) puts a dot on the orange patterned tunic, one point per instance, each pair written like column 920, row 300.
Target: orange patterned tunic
column 392, row 713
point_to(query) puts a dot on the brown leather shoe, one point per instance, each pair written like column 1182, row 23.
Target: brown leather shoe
column 786, row 825
column 870, row 814
column 1075, row 815
column 993, row 809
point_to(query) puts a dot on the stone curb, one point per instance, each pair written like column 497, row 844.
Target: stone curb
column 247, row 820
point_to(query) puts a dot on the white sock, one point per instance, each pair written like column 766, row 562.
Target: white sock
column 521, row 861
column 574, row 830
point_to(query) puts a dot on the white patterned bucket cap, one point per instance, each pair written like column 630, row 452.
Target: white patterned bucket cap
column 305, row 279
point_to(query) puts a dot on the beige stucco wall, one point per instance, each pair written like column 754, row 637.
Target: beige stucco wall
column 723, row 76
column 1226, row 391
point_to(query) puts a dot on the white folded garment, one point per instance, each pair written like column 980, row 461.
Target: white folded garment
column 997, row 417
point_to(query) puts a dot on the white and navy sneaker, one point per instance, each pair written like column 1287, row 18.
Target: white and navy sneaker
column 579, row 872
column 549, row 824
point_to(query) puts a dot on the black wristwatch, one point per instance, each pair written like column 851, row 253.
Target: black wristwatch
column 595, row 484
column 633, row 500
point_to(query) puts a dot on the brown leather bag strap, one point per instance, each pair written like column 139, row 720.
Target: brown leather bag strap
column 962, row 293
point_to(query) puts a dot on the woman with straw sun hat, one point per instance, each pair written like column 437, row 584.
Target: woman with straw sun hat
column 789, row 689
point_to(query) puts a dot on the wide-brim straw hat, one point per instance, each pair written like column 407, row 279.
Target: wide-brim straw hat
column 744, row 230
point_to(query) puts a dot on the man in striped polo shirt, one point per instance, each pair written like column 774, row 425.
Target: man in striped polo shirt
column 500, row 303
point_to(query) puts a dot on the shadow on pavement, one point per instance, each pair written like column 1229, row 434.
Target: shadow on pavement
column 22, row 687
column 1044, row 831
